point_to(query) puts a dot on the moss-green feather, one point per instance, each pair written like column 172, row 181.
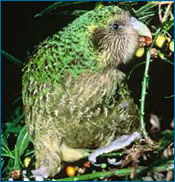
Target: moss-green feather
column 70, row 97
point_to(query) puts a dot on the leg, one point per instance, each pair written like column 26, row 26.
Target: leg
column 48, row 157
column 69, row 154
column 119, row 143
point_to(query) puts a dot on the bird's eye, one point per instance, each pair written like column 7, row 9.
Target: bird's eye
column 115, row 26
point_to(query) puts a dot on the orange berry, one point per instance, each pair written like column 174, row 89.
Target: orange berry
column 70, row 171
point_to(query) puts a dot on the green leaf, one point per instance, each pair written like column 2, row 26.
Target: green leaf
column 167, row 138
column 11, row 126
column 79, row 12
column 126, row 5
column 168, row 25
column 6, row 155
column 17, row 159
column 2, row 162
column 29, row 153
column 22, row 140
column 145, row 9
column 7, row 168
column 146, row 12
column 56, row 5
column 168, row 97
column 5, row 151
column 11, row 58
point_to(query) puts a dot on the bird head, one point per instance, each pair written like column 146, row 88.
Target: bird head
column 116, row 36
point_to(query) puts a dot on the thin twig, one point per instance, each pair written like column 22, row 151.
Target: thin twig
column 139, row 64
column 144, row 88
column 117, row 172
column 143, row 95
column 165, row 2
column 160, row 12
column 166, row 13
column 172, row 16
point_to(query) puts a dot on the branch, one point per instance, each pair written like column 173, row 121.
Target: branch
column 144, row 88
column 118, row 172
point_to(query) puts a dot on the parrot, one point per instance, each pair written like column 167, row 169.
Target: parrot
column 74, row 94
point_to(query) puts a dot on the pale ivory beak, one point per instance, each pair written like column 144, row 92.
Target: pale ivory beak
column 141, row 28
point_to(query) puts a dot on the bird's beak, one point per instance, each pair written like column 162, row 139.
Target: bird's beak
column 141, row 28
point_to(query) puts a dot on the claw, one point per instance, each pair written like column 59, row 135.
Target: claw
column 113, row 162
column 40, row 174
column 119, row 143
column 95, row 164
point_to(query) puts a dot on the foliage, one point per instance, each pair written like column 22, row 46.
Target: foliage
column 15, row 143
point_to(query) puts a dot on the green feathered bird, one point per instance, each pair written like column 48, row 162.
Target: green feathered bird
column 73, row 92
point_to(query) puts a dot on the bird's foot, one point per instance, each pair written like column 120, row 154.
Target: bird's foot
column 40, row 174
column 114, row 162
column 119, row 143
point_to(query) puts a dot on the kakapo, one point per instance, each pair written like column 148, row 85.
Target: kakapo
column 74, row 95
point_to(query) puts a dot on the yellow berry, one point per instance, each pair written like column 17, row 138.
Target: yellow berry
column 27, row 161
column 140, row 52
column 70, row 171
column 171, row 46
column 160, row 40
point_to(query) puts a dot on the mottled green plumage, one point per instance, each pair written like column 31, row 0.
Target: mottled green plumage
column 73, row 93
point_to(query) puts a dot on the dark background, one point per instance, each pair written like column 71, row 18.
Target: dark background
column 21, row 32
